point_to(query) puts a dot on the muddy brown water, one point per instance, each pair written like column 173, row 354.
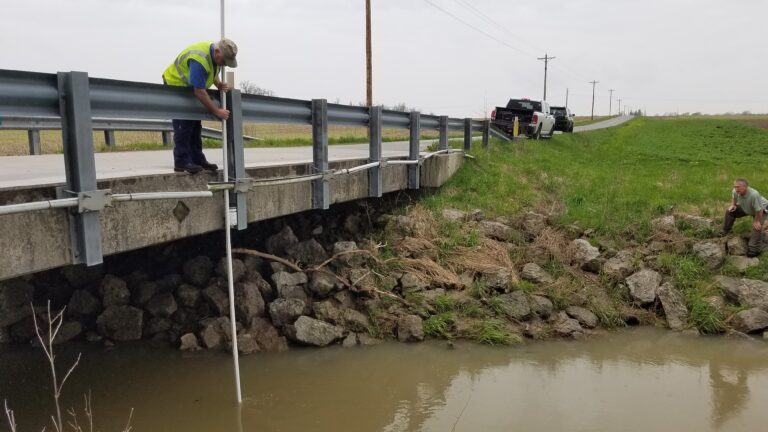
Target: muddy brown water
column 634, row 380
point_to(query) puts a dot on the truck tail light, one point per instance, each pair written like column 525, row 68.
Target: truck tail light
column 535, row 118
column 493, row 115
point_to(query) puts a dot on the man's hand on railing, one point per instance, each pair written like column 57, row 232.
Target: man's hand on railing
column 222, row 113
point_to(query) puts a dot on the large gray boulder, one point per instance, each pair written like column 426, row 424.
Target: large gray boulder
column 188, row 295
column 309, row 252
column 349, row 257
column 745, row 292
column 121, row 323
column 496, row 230
column 216, row 333
column 454, row 215
column 620, row 266
column 248, row 302
column 643, row 286
column 411, row 282
column 515, row 305
column 83, row 303
column 533, row 273
column 664, row 224
column 197, row 271
column 750, row 321
column 143, row 291
column 267, row 336
column 217, row 298
column 410, row 328
column 697, row 222
column 189, row 343
column 329, row 311
column 568, row 328
column 584, row 316
column 162, row 305
column 533, row 224
column 114, row 291
column 322, row 284
column 673, row 303
column 247, row 344
column 541, row 306
column 15, row 301
column 285, row 311
column 499, row 279
column 285, row 279
column 711, row 252
column 315, row 332
column 585, row 255
column 742, row 263
column 280, row 242
column 238, row 269
column 356, row 321
column 737, row 246
column 267, row 292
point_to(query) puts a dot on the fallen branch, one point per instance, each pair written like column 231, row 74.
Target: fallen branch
column 320, row 269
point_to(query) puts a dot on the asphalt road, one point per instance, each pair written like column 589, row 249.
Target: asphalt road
column 615, row 121
column 16, row 171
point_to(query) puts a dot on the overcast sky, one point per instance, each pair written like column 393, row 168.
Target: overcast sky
column 663, row 56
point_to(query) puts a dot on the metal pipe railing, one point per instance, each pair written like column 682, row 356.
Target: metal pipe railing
column 73, row 202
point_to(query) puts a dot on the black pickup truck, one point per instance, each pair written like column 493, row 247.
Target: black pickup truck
column 563, row 118
column 534, row 118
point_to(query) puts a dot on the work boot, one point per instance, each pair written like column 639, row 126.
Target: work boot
column 190, row 168
column 210, row 166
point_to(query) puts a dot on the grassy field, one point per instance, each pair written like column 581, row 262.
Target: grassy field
column 13, row 143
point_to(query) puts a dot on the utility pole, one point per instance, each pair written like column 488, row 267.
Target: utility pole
column 368, row 63
column 546, row 59
column 592, row 117
column 610, row 101
column 619, row 106
column 566, row 98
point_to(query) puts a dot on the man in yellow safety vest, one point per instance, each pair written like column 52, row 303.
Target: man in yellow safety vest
column 196, row 67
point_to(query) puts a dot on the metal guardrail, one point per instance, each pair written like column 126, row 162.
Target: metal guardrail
column 78, row 105
column 33, row 126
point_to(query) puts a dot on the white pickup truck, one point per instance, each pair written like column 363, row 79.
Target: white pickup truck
column 534, row 118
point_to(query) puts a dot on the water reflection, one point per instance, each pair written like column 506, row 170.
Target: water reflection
column 637, row 380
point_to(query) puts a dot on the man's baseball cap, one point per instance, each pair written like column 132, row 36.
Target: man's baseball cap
column 229, row 51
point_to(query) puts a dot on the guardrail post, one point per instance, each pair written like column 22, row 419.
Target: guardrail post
column 166, row 137
column 413, row 150
column 80, row 164
column 34, row 142
column 236, row 156
column 321, row 196
column 467, row 134
column 443, row 131
column 486, row 133
column 375, row 175
column 109, row 138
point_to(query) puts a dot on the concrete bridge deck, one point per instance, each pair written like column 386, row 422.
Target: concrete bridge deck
column 40, row 240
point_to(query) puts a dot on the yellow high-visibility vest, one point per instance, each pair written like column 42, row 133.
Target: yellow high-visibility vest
column 177, row 74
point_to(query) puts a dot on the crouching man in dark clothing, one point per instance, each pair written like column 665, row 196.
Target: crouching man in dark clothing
column 747, row 202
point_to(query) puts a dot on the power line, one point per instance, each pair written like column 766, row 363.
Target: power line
column 473, row 27
column 469, row 6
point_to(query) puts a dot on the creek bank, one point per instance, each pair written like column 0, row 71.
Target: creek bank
column 363, row 273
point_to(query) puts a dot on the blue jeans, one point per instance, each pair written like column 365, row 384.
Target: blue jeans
column 187, row 143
